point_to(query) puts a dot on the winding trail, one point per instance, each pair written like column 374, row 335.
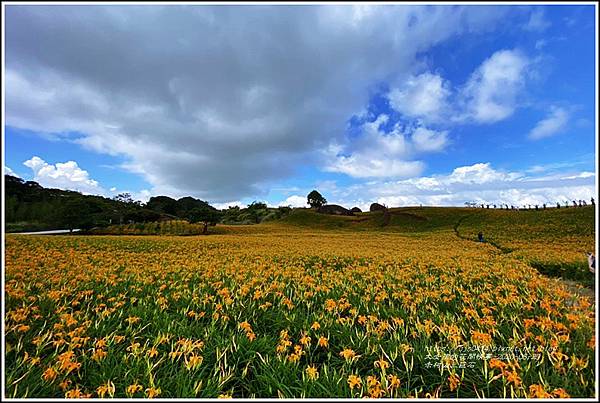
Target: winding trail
column 501, row 248
column 460, row 220
column 573, row 286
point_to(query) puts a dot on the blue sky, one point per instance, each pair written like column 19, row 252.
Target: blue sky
column 395, row 104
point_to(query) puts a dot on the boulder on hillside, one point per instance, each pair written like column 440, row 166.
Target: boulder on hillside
column 377, row 207
column 355, row 210
column 334, row 209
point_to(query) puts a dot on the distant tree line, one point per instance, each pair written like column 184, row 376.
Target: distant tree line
column 29, row 206
column 256, row 212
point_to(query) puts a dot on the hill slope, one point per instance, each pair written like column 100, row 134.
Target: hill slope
column 554, row 240
column 531, row 224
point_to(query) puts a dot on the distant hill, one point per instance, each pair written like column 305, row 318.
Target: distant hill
column 551, row 222
column 32, row 207
column 403, row 219
column 554, row 241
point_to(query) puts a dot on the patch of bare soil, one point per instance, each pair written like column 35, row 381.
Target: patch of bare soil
column 577, row 289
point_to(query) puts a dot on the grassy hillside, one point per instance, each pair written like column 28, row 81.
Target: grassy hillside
column 406, row 219
column 500, row 225
column 554, row 240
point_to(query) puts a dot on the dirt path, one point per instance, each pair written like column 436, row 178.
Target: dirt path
column 573, row 286
column 51, row 232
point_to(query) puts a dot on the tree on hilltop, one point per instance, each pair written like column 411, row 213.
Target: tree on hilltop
column 315, row 199
column 124, row 198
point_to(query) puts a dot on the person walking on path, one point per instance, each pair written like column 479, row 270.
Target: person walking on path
column 591, row 262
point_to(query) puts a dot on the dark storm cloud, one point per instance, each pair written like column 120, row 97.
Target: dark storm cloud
column 212, row 101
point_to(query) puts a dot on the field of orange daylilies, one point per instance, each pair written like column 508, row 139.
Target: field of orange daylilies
column 285, row 313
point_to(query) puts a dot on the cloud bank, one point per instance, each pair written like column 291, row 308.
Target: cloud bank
column 63, row 175
column 218, row 102
column 377, row 153
column 480, row 183
column 555, row 122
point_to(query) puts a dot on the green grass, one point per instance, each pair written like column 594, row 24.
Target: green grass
column 576, row 271
column 531, row 224
column 567, row 232
column 494, row 223
column 404, row 220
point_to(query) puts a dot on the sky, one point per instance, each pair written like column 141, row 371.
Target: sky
column 396, row 104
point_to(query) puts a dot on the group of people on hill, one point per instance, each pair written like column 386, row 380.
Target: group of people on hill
column 503, row 206
column 581, row 203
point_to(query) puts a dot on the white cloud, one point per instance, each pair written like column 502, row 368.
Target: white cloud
column 583, row 174
column 426, row 183
column 421, row 96
column 376, row 142
column 63, row 175
column 143, row 195
column 380, row 154
column 490, row 94
column 479, row 182
column 360, row 166
column 294, row 201
column 478, row 174
column 429, row 140
column 214, row 122
column 326, row 186
column 551, row 125
column 561, row 166
column 8, row 171
column 225, row 206
column 537, row 21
